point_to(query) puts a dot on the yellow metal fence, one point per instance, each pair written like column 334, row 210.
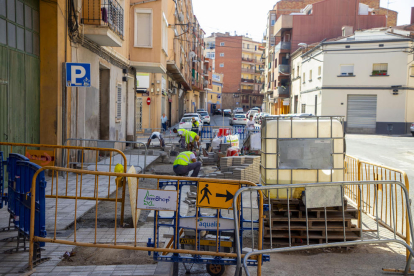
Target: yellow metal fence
column 379, row 202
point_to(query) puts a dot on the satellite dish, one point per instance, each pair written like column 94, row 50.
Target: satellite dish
column 192, row 54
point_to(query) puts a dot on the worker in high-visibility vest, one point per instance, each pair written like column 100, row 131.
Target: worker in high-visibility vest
column 182, row 132
column 192, row 138
column 195, row 125
column 186, row 162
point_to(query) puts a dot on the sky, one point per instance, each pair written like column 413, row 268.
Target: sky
column 249, row 16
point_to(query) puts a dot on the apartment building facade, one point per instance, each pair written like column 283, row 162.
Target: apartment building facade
column 238, row 58
column 214, row 96
column 368, row 78
column 121, row 40
column 293, row 23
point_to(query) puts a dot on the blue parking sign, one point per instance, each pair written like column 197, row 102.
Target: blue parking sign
column 78, row 74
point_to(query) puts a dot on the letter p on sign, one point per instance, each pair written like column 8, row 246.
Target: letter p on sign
column 78, row 74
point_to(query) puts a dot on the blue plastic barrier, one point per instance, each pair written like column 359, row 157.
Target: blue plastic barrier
column 24, row 175
column 162, row 221
column 2, row 196
column 20, row 174
column 12, row 194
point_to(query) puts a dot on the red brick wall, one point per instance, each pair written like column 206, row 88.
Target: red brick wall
column 232, row 50
column 289, row 6
column 327, row 21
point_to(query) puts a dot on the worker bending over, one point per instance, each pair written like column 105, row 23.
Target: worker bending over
column 186, row 162
column 192, row 138
column 182, row 133
column 156, row 135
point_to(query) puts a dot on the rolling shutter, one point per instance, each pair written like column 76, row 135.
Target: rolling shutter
column 362, row 113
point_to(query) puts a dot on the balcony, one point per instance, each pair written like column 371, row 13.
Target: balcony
column 250, row 91
column 251, row 71
column 282, row 46
column 250, row 60
column 284, row 68
column 103, row 22
column 284, row 22
column 283, row 91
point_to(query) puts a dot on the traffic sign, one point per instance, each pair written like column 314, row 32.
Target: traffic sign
column 148, row 101
column 216, row 195
column 78, row 74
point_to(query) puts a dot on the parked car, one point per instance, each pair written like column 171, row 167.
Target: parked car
column 227, row 112
column 193, row 115
column 412, row 129
column 217, row 112
column 238, row 110
column 200, row 110
column 251, row 112
column 187, row 123
column 238, row 119
column 258, row 117
column 205, row 117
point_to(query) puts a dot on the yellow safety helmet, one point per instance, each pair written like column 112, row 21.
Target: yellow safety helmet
column 119, row 168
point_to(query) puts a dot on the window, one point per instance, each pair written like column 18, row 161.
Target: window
column 347, row 70
column 304, row 78
column 221, row 64
column 316, row 105
column 211, row 97
column 412, row 71
column 293, row 72
column 218, row 88
column 310, row 75
column 255, row 47
column 319, row 70
column 222, row 54
column 248, row 46
column 143, row 28
column 221, row 43
column 303, row 108
column 119, row 103
column 297, row 69
column 243, row 46
column 272, row 19
column 380, row 69
column 165, row 34
column 348, row 46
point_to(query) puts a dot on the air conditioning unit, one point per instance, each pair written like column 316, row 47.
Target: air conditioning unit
column 174, row 91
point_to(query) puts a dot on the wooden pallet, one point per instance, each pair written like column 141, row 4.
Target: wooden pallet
column 337, row 219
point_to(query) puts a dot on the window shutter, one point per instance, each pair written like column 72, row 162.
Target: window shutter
column 347, row 69
column 119, row 103
column 144, row 29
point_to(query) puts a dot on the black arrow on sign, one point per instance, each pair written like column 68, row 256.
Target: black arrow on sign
column 228, row 196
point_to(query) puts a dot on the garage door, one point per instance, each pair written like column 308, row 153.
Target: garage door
column 362, row 113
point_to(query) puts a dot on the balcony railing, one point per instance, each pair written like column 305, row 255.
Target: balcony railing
column 284, row 68
column 104, row 13
column 283, row 90
column 251, row 91
column 282, row 46
column 247, row 80
column 250, row 60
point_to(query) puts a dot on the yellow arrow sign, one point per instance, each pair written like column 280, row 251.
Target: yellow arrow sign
column 216, row 195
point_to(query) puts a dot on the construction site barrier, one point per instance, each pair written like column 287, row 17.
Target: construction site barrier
column 312, row 192
column 110, row 144
column 172, row 250
column 357, row 170
column 78, row 152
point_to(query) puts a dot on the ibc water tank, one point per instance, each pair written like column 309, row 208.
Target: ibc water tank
column 301, row 150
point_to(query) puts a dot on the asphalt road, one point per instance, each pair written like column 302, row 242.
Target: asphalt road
column 219, row 120
column 392, row 151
